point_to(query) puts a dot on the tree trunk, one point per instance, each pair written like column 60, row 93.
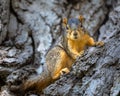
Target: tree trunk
column 28, row 28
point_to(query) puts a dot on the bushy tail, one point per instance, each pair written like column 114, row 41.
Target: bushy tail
column 34, row 84
column 37, row 83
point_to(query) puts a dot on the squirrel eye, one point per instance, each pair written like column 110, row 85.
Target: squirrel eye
column 80, row 25
column 67, row 27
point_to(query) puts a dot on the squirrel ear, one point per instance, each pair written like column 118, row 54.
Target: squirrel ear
column 64, row 21
column 81, row 18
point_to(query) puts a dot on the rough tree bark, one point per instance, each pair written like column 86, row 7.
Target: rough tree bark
column 28, row 28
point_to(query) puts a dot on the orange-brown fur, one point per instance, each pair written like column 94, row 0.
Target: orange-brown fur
column 60, row 58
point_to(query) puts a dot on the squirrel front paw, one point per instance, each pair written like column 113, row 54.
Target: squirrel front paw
column 100, row 43
column 81, row 53
column 64, row 71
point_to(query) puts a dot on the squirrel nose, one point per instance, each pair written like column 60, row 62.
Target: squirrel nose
column 75, row 34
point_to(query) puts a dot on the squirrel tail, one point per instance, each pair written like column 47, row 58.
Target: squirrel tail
column 36, row 84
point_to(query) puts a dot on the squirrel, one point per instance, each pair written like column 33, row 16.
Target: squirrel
column 60, row 58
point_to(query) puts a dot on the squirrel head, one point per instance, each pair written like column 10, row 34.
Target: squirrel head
column 74, row 27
